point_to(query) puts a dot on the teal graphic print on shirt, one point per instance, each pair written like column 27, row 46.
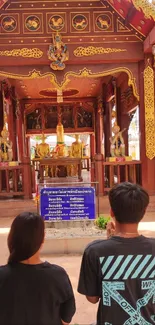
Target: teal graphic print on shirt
column 116, row 271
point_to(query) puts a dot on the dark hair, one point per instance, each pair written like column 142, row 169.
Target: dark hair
column 25, row 237
column 128, row 202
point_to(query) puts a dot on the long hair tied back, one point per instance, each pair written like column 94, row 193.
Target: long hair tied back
column 26, row 236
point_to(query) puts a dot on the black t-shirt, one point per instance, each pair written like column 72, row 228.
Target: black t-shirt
column 121, row 271
column 35, row 295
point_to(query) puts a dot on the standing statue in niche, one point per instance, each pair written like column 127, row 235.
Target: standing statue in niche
column 6, row 152
column 58, row 53
column 117, row 148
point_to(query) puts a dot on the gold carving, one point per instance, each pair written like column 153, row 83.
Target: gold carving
column 149, row 94
column 58, row 53
column 147, row 8
column 117, row 147
column 25, row 53
column 91, row 50
column 82, row 73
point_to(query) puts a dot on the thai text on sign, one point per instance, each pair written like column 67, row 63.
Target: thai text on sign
column 67, row 203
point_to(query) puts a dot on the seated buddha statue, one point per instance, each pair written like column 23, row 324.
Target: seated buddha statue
column 43, row 149
column 117, row 148
column 70, row 168
column 76, row 151
column 77, row 147
column 6, row 146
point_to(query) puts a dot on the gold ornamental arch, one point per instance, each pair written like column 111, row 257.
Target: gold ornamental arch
column 83, row 73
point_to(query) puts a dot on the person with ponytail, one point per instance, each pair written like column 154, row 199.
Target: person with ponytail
column 33, row 292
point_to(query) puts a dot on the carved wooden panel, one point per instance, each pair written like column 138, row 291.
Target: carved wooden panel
column 32, row 23
column 56, row 22
column 44, row 118
column 103, row 21
column 9, row 24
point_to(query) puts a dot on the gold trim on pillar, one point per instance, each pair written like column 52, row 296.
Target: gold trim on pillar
column 149, row 94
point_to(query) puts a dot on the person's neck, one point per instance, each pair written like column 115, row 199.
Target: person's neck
column 33, row 260
column 126, row 230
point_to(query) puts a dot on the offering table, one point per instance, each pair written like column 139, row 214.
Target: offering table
column 56, row 162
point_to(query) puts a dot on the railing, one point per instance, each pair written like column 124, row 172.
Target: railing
column 115, row 173
column 11, row 181
column 110, row 173
column 17, row 180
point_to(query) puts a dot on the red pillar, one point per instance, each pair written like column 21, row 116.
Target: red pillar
column 28, row 147
column 27, row 178
column 99, row 129
column 148, row 166
column 107, row 129
column 12, row 128
column 92, row 155
column 99, row 173
column 19, row 131
column 92, row 146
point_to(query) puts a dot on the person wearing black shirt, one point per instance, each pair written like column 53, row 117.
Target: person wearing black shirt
column 33, row 292
column 119, row 272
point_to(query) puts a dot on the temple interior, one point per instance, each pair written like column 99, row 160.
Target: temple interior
column 77, row 94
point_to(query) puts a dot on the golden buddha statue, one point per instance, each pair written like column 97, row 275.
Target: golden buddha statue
column 60, row 147
column 60, row 131
column 70, row 168
column 43, row 149
column 77, row 148
column 117, row 148
column 6, row 151
column 60, row 150
column 77, row 151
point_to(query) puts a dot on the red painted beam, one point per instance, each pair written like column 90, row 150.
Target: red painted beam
column 150, row 40
column 3, row 3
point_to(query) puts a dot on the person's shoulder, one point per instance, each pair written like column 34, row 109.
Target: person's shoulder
column 55, row 269
column 96, row 245
column 150, row 240
column 4, row 270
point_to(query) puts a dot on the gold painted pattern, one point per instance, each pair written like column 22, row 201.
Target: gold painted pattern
column 25, row 53
column 149, row 94
column 33, row 74
column 91, row 50
column 146, row 7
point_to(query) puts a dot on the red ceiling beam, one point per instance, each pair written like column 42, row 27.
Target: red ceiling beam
column 3, row 4
column 131, row 14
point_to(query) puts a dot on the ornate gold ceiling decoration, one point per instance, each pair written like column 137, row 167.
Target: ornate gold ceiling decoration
column 25, row 53
column 80, row 74
column 147, row 7
column 149, row 94
column 91, row 50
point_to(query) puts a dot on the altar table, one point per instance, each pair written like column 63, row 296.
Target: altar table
column 50, row 162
